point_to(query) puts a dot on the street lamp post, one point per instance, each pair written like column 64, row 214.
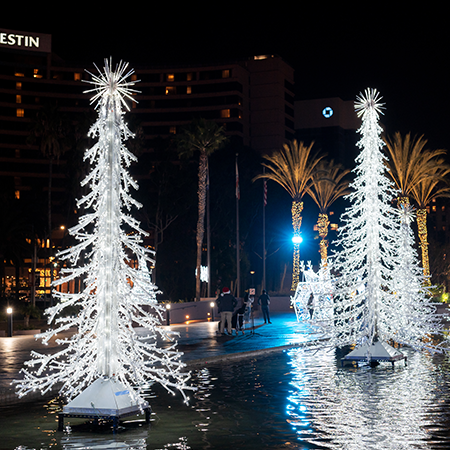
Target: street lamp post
column 9, row 311
column 212, row 304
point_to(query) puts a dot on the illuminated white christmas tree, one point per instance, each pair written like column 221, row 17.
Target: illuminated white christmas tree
column 368, row 239
column 116, row 295
column 379, row 294
column 412, row 319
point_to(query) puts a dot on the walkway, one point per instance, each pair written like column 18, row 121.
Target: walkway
column 198, row 341
column 201, row 344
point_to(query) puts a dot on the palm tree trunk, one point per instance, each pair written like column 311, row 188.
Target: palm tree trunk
column 423, row 237
column 297, row 208
column 202, row 168
column 322, row 225
column 402, row 201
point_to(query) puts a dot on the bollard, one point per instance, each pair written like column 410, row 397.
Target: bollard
column 168, row 314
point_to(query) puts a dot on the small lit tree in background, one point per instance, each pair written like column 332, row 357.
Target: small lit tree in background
column 115, row 295
column 413, row 319
column 292, row 167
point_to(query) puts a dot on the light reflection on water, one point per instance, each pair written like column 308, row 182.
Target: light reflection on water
column 381, row 408
column 299, row 399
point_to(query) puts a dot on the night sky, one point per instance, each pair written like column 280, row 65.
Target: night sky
column 335, row 51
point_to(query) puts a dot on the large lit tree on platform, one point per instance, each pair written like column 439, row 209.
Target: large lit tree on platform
column 292, row 167
column 115, row 295
column 367, row 239
column 379, row 294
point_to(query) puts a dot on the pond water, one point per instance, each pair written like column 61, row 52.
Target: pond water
column 297, row 399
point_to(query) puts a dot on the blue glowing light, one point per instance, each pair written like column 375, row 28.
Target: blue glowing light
column 327, row 112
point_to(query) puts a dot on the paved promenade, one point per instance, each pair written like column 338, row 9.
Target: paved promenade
column 199, row 342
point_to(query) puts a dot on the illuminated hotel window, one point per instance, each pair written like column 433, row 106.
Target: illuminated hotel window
column 19, row 85
column 170, row 90
column 77, row 76
column 20, row 112
column 188, row 89
column 428, row 209
column 333, row 226
column 18, row 99
column 433, row 208
column 36, row 73
column 170, row 77
column 225, row 113
column 17, row 194
column 226, row 73
column 19, row 74
column 173, row 130
column 443, row 208
column 189, row 76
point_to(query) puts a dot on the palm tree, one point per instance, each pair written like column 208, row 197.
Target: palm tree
column 204, row 137
column 292, row 167
column 327, row 185
column 409, row 162
column 50, row 127
column 424, row 192
column 418, row 173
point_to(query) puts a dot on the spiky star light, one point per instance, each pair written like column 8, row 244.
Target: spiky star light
column 112, row 84
column 369, row 101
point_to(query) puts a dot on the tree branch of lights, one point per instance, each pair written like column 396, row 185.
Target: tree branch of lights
column 115, row 294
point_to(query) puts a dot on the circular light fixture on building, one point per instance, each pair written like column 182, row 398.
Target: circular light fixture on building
column 327, row 112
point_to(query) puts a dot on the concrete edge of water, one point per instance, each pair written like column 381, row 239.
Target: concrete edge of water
column 220, row 359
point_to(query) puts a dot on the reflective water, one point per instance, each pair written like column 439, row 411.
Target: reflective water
column 292, row 400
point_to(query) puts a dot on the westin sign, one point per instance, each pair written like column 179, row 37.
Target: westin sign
column 24, row 40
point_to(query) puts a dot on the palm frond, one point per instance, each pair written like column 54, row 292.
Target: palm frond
column 410, row 163
column 291, row 167
column 328, row 183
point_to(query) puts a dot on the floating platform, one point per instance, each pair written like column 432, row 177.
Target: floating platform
column 378, row 351
column 105, row 399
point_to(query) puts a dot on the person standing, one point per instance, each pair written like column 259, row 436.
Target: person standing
column 264, row 301
column 226, row 303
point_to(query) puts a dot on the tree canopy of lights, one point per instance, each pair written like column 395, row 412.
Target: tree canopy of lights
column 115, row 295
column 379, row 293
